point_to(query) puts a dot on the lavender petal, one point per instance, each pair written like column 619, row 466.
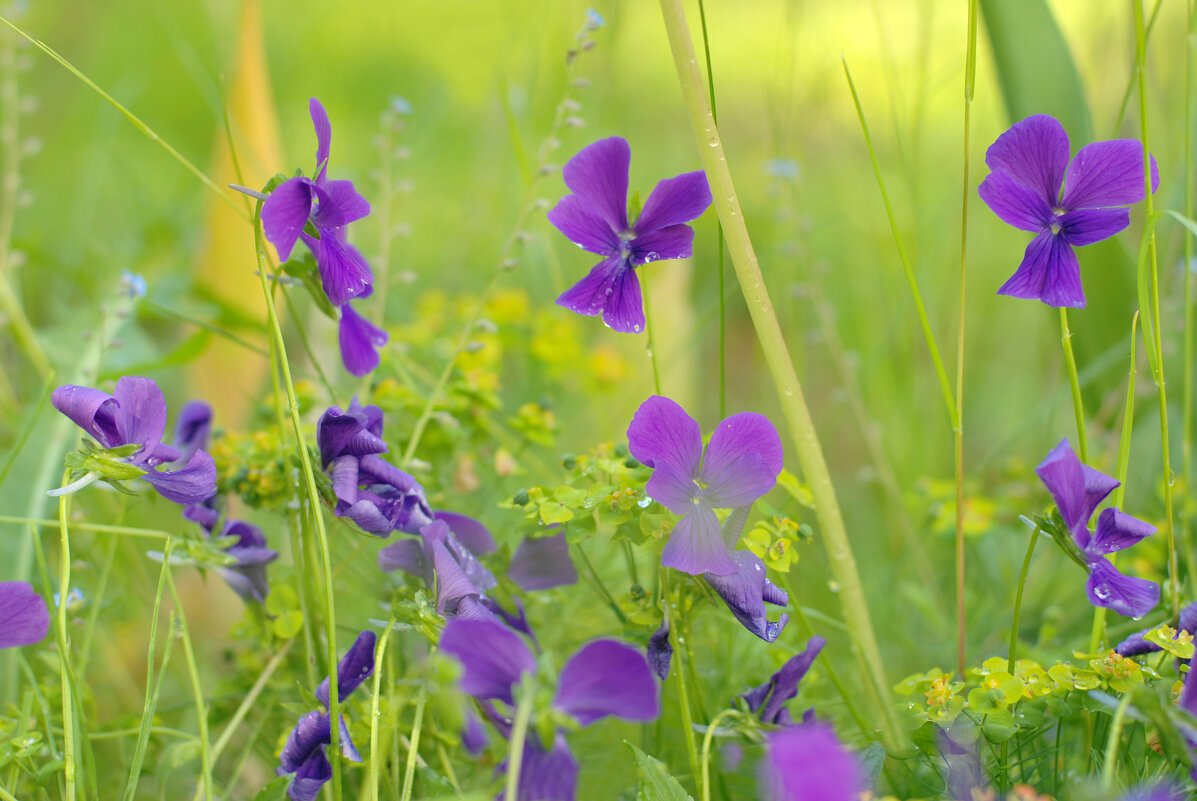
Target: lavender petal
column 742, row 434
column 494, row 658
column 192, row 483
column 808, row 763
column 695, row 546
column 1034, row 153
column 469, row 532
column 673, row 201
column 1106, row 174
column 24, row 619
column 408, row 556
column 598, row 174
column 606, row 677
column 745, row 592
column 662, row 432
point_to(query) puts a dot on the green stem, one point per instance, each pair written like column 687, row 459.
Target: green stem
column 1022, row 581
column 706, row 50
column 1148, row 207
column 781, row 368
column 1187, row 393
column 648, row 329
column 64, row 647
column 676, row 620
column 379, row 657
column 100, row 528
column 247, row 703
column 1112, row 742
column 598, row 584
column 313, row 494
column 1074, row 381
column 409, row 770
column 197, row 688
column 706, row 752
column 519, row 733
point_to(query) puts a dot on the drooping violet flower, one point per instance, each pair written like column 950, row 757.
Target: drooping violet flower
column 135, row 414
column 741, row 463
column 1034, row 187
column 444, row 562
column 1077, row 490
column 247, row 574
column 329, row 206
column 303, row 755
column 1135, row 644
column 360, row 340
column 595, row 218
column 768, row 700
column 24, row 619
column 808, row 763
column 747, row 591
column 602, row 678
column 660, row 651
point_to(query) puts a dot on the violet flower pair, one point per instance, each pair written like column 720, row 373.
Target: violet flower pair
column 1078, row 490
column 135, row 415
column 602, row 678
column 1034, row 187
column 328, row 207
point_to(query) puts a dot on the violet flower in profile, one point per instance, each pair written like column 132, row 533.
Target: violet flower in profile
column 443, row 561
column 250, row 552
column 360, row 341
column 135, row 414
column 769, row 700
column 329, row 206
column 24, row 619
column 1034, row 187
column 602, row 678
column 740, row 464
column 595, row 218
column 1077, row 490
column 303, row 755
column 808, row 763
column 747, row 591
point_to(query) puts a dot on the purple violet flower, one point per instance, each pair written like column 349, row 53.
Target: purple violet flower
column 808, row 763
column 329, row 206
column 360, row 340
column 602, row 678
column 595, row 218
column 135, row 414
column 247, row 575
column 24, row 619
column 443, row 562
column 303, row 755
column 747, row 591
column 1034, row 187
column 741, row 463
column 1078, row 489
column 660, row 651
column 768, row 700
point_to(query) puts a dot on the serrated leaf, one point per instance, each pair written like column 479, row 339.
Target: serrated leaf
column 656, row 784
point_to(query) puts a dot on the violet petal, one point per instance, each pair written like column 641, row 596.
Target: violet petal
column 311, row 731
column 546, row 775
column 584, row 226
column 1126, row 595
column 355, row 667
column 740, row 483
column 494, row 657
column 1086, row 226
column 323, row 134
column 360, row 341
column 659, row 652
column 192, row 483
column 541, row 563
column 599, row 175
column 338, row 205
column 452, row 585
column 1049, row 272
column 606, row 677
column 661, row 431
column 310, row 777
column 589, row 296
column 344, row 273
column 695, row 546
column 141, row 414
column 286, row 212
column 673, row 201
column 1076, row 488
column 82, row 405
column 474, row 735
column 672, row 488
column 24, row 619
column 469, row 532
column 1105, row 174
column 624, row 309
column 1015, row 204
column 192, row 428
column 1117, row 530
column 808, row 763
column 1034, row 153
column 784, row 683
column 744, row 593
column 405, row 555
column 345, row 478
column 674, row 242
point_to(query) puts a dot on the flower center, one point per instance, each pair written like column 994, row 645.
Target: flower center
column 1055, row 224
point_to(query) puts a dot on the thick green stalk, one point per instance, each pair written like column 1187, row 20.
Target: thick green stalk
column 781, row 368
column 1148, row 207
column 313, row 494
column 1074, row 381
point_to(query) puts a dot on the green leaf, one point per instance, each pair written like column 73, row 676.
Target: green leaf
column 288, row 625
column 655, row 782
column 276, row 790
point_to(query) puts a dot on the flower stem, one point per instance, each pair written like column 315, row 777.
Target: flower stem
column 789, row 390
column 413, row 751
column 1187, row 394
column 676, row 619
column 648, row 330
column 706, row 752
column 1113, row 741
column 1074, row 381
column 519, row 733
column 1022, row 581
column 64, row 647
column 375, row 713
column 313, row 494
column 706, row 50
column 1148, row 207
column 197, row 688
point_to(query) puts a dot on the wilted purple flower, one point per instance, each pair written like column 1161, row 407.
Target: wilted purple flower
column 595, row 218
column 768, row 700
column 1135, row 644
column 747, row 591
column 329, row 206
column 360, row 340
column 303, row 754
column 808, row 763
column 247, row 575
column 602, row 678
column 135, row 414
column 660, row 651
column 1077, row 490
column 1028, row 164
column 24, row 618
column 741, row 464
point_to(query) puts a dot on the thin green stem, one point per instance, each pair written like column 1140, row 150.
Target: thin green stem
column 706, row 50
column 375, row 715
column 598, row 584
column 197, row 687
column 1187, row 392
column 1149, row 207
column 1113, row 741
column 64, row 646
column 100, row 528
column 409, row 770
column 676, row 620
column 707, row 738
column 1074, row 381
column 247, row 703
column 519, row 733
column 802, row 430
column 313, row 494
column 648, row 329
column 1022, row 581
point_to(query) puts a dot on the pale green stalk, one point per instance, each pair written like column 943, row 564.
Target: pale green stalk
column 789, row 390
column 519, row 733
column 100, row 528
column 379, row 660
column 334, row 703
column 706, row 752
column 197, row 687
column 1187, row 394
column 648, row 329
column 706, row 49
column 413, row 751
column 64, row 646
column 247, row 703
column 1148, row 207
column 1113, row 742
column 1022, row 582
column 1074, row 381
column 675, row 620
column 152, row 688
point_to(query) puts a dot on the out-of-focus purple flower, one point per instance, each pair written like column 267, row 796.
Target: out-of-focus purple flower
column 1077, row 490
column 24, row 618
column 192, row 429
column 808, row 763
column 768, row 700
column 602, row 678
column 1029, row 164
column 442, row 561
column 1154, row 792
column 747, row 591
column 660, row 651
column 741, row 463
column 247, row 575
column 1136, row 645
column 541, row 563
column 595, row 218
column 135, row 414
column 360, row 340
column 329, row 206
column 303, row 754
